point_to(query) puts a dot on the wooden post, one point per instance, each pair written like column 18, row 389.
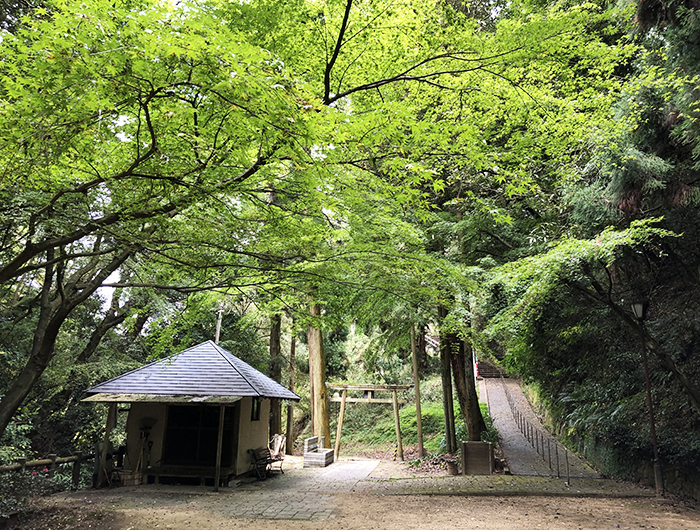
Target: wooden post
column 218, row 322
column 52, row 465
column 340, row 424
column 102, row 470
column 416, row 383
column 398, row 426
column 75, row 481
column 219, row 447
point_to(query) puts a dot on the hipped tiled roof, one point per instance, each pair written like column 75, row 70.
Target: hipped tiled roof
column 202, row 370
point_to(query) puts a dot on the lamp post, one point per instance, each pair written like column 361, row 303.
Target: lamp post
column 639, row 311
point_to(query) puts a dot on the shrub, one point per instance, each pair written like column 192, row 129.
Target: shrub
column 17, row 488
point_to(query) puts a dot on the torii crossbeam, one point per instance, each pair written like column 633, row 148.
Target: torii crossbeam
column 369, row 391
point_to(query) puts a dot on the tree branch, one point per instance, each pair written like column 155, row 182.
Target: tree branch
column 327, row 100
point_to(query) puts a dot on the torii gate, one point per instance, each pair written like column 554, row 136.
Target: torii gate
column 369, row 391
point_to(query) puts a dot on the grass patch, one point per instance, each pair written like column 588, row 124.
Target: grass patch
column 371, row 428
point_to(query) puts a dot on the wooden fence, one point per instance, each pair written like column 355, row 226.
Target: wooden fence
column 51, row 463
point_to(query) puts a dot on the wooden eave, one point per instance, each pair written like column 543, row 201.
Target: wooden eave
column 104, row 397
column 374, row 388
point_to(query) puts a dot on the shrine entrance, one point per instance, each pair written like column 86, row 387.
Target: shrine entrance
column 368, row 396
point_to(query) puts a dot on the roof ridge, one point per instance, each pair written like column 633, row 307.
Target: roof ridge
column 221, row 351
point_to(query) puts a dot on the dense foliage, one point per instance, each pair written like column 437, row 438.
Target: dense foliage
column 515, row 174
column 563, row 319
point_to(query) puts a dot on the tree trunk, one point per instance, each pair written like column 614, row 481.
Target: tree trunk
column 421, row 350
column 276, row 371
column 317, row 367
column 290, row 404
column 416, row 385
column 139, row 323
column 463, row 371
column 447, row 400
column 54, row 309
column 113, row 318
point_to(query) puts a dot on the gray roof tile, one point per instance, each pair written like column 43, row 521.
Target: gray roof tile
column 205, row 370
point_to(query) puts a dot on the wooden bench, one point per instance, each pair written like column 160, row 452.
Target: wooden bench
column 265, row 457
column 315, row 455
column 262, row 461
column 187, row 473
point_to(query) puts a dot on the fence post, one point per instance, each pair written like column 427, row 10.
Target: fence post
column 568, row 478
column 556, row 452
column 75, row 481
column 543, row 458
column 52, row 466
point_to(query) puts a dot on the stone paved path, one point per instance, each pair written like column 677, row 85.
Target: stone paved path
column 312, row 494
column 521, row 455
column 298, row 494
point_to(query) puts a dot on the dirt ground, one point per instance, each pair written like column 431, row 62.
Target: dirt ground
column 361, row 512
column 103, row 510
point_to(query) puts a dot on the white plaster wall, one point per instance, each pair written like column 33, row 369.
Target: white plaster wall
column 252, row 434
column 133, row 440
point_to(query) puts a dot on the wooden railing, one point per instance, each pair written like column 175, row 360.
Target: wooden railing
column 51, row 463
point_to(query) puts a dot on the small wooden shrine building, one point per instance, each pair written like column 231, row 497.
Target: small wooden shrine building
column 194, row 415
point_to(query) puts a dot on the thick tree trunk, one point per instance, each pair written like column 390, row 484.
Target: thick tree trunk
column 113, row 318
column 421, row 351
column 55, row 308
column 463, row 371
column 447, row 400
column 276, row 371
column 27, row 377
column 317, row 367
column 290, row 404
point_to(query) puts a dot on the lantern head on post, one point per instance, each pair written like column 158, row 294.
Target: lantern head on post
column 639, row 309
